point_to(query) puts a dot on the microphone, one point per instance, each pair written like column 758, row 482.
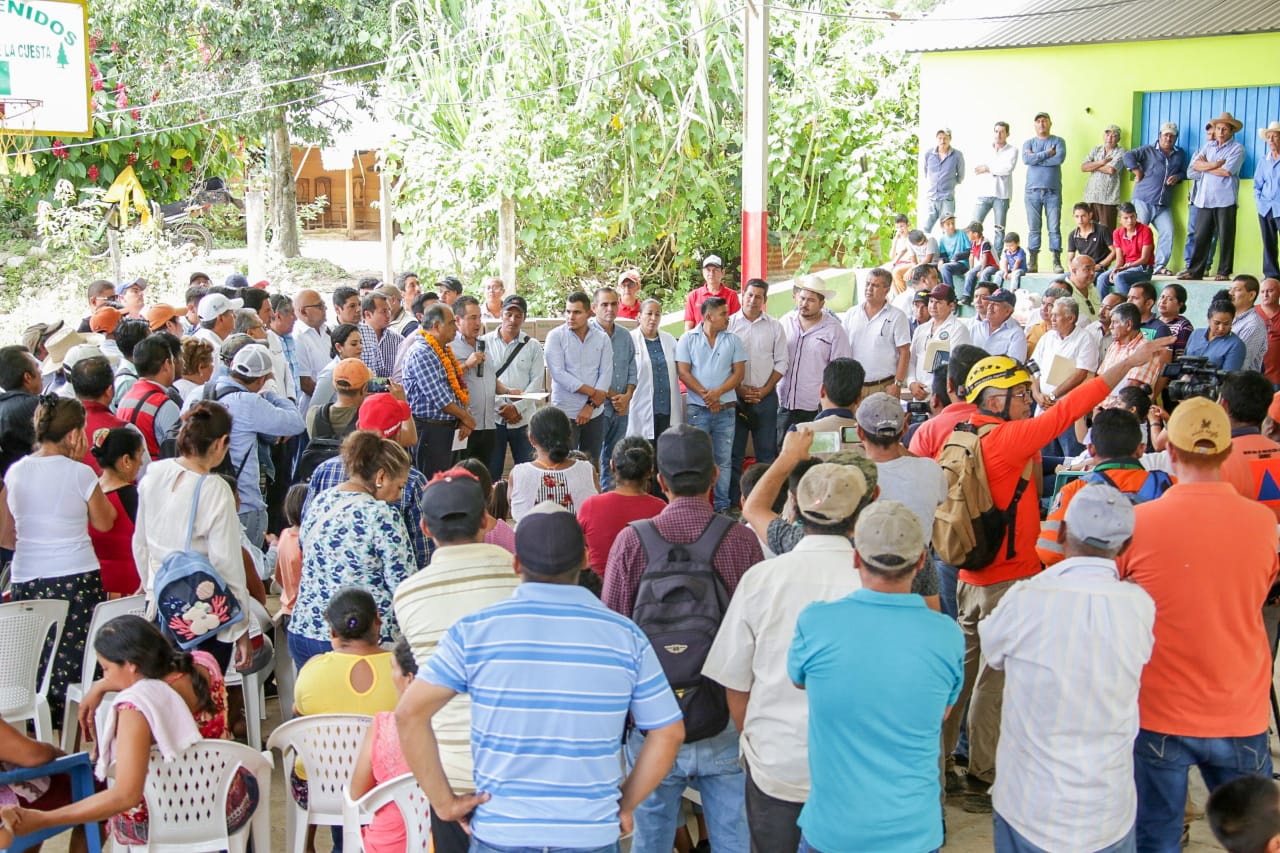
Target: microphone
column 480, row 345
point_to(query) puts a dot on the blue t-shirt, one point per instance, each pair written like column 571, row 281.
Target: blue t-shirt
column 879, row 670
column 1015, row 260
column 1225, row 353
column 710, row 365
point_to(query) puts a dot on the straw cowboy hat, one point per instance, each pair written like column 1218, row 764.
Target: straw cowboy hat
column 1274, row 127
column 60, row 344
column 1229, row 120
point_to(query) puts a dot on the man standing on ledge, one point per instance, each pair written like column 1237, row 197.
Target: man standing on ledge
column 436, row 391
column 713, row 275
column 1043, row 154
column 943, row 170
column 1216, row 195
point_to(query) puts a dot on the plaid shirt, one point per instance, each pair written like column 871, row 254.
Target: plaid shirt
column 682, row 521
column 379, row 355
column 426, row 387
column 1145, row 374
column 290, row 353
column 332, row 473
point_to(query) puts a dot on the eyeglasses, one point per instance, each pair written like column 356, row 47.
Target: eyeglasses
column 1019, row 395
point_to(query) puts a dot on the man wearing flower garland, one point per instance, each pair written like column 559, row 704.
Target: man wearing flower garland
column 435, row 391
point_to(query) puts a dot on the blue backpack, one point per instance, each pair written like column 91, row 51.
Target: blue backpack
column 1156, row 484
column 192, row 600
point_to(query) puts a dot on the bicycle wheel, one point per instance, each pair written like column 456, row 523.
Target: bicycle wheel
column 192, row 234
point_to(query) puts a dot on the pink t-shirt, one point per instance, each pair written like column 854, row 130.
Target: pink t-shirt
column 603, row 516
column 501, row 535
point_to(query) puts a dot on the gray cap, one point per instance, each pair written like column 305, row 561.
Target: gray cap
column 830, row 493
column 1169, row 127
column 888, row 536
column 252, row 362
column 881, row 414
column 1100, row 516
column 1113, row 128
column 712, row 261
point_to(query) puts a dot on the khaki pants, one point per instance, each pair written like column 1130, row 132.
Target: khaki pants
column 983, row 686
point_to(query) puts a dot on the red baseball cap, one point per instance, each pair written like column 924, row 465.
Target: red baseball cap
column 383, row 414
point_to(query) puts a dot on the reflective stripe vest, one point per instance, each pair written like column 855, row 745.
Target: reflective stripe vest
column 139, row 407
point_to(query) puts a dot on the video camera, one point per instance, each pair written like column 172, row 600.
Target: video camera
column 1193, row 376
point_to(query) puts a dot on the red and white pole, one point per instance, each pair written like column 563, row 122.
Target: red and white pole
column 755, row 147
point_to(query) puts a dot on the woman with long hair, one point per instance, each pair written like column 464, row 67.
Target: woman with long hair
column 344, row 342
column 166, row 499
column 51, row 500
column 119, row 453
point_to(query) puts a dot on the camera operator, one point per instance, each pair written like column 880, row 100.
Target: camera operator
column 1255, row 459
column 1217, row 342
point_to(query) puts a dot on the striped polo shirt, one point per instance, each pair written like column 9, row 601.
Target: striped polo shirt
column 552, row 674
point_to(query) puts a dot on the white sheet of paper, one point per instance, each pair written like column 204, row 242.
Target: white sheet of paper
column 528, row 395
column 459, row 443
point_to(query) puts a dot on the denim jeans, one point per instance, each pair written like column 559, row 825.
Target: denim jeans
column 1160, row 764
column 1121, row 281
column 1012, row 281
column 976, row 275
column 935, row 209
column 774, row 823
column 1007, row 840
column 1162, row 219
column 985, row 205
column 948, row 576
column 517, row 438
column 478, row 846
column 615, row 427
column 1046, row 204
column 788, row 418
column 952, row 271
column 806, row 848
column 711, row 766
column 721, row 428
column 303, row 649
column 254, row 522
column 764, row 440
column 589, row 437
column 1193, row 220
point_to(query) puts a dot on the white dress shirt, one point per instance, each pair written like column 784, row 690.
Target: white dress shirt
column 314, row 351
column 951, row 330
column 527, row 371
column 1080, row 346
column 875, row 340
column 998, row 180
column 750, row 655
column 1072, row 642
column 765, row 341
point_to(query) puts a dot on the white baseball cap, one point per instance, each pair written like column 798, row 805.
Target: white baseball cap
column 214, row 305
column 252, row 362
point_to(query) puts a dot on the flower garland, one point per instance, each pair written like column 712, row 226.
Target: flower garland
column 452, row 371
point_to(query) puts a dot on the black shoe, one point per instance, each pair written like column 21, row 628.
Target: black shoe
column 955, row 784
column 977, row 803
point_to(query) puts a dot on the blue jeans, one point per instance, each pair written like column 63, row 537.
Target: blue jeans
column 764, row 440
column 985, row 205
column 517, row 438
column 711, row 766
column 948, row 575
column 254, row 522
column 952, row 271
column 721, row 428
column 1162, row 219
column 303, row 649
column 615, row 427
column 976, row 275
column 1046, row 204
column 1007, row 840
column 1193, row 218
column 805, row 848
column 935, row 209
column 1121, row 281
column 1011, row 281
column 1160, row 764
column 478, row 846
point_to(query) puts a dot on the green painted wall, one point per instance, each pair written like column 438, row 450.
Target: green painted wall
column 1085, row 88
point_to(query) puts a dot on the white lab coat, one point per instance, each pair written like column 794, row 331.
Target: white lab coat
column 640, row 415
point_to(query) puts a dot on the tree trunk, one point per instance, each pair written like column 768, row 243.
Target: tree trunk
column 507, row 243
column 283, row 205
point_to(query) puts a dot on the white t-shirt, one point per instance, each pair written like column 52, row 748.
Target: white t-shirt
column 49, row 499
column 916, row 481
column 1080, row 347
column 951, row 331
column 531, row 485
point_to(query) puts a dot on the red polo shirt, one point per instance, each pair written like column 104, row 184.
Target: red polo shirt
column 1129, row 249
column 693, row 303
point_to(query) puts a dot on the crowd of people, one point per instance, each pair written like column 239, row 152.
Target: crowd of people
column 733, row 560
column 1115, row 233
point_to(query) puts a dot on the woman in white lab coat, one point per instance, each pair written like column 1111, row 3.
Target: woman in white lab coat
column 656, row 403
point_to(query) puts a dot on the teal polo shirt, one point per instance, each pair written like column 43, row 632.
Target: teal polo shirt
column 711, row 365
column 880, row 670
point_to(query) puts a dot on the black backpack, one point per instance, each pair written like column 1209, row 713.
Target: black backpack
column 680, row 604
column 326, row 444
column 226, row 466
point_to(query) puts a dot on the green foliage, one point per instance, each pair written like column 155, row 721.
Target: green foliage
column 638, row 167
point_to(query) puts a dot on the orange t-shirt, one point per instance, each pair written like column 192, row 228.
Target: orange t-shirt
column 1006, row 450
column 1208, row 558
column 288, row 567
column 1128, row 480
column 1254, row 469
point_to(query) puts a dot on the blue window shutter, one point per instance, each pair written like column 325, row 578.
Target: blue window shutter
column 1254, row 106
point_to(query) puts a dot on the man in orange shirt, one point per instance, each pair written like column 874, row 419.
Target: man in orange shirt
column 1254, row 465
column 1117, row 442
column 1001, row 388
column 1205, row 693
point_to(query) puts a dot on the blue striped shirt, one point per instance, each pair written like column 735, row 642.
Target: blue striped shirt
column 552, row 674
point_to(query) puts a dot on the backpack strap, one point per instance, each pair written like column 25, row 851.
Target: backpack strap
column 322, row 422
column 1100, row 478
column 137, row 411
column 195, row 504
column 705, row 548
column 702, row 549
column 1011, row 512
column 650, row 539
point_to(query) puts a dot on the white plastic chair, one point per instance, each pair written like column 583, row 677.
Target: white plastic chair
column 404, row 793
column 24, row 628
column 251, row 687
column 187, row 799
column 102, row 614
column 328, row 746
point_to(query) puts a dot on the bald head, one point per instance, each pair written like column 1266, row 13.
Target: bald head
column 308, row 307
column 1269, row 295
column 1082, row 269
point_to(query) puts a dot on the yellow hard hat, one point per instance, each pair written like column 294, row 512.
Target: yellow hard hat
column 995, row 371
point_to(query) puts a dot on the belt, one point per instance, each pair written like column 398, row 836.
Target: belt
column 446, row 422
column 880, row 383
